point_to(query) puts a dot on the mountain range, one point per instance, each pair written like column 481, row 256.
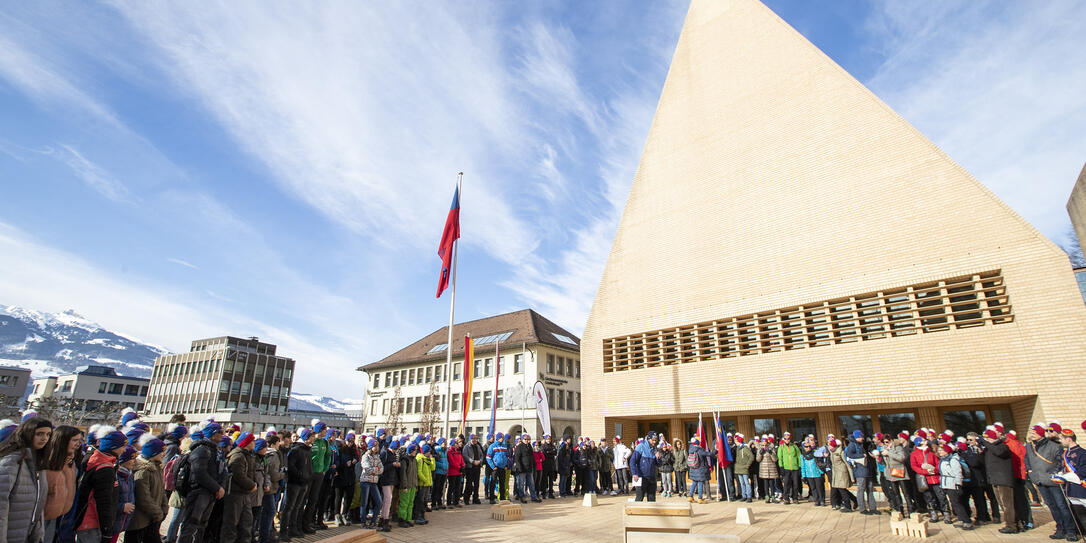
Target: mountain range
column 51, row 344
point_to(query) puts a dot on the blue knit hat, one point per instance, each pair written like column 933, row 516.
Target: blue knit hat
column 440, row 441
column 150, row 446
column 856, row 434
column 371, row 443
column 178, row 430
column 128, row 415
column 488, row 436
column 394, row 445
column 329, row 433
column 210, row 429
column 133, row 435
column 304, row 433
column 259, row 444
column 110, row 439
column 426, row 449
column 381, row 432
column 499, row 436
column 412, row 448
column 225, row 441
column 129, row 453
column 28, row 414
column 318, row 425
column 198, row 435
column 7, row 427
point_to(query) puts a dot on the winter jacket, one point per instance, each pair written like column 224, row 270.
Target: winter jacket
column 667, row 461
column 592, row 458
column 390, row 474
column 622, row 456
column 860, row 460
column 23, row 493
column 550, row 456
column 705, row 462
column 242, row 471
column 372, row 467
column 455, row 461
column 999, row 463
column 1018, row 458
column 607, row 459
column 322, row 455
column 299, row 464
column 1075, row 459
column 563, row 459
column 767, row 462
column 441, row 461
column 744, row 457
column 951, row 475
column 523, row 459
column 343, row 458
column 260, row 479
column 918, row 458
column 126, row 493
column 274, row 466
column 206, row 465
column 974, row 458
column 151, row 502
column 425, row 469
column 97, row 494
column 680, row 460
column 409, row 472
column 840, row 474
column 643, row 461
column 61, row 491
column 173, row 447
column 1043, row 460
column 808, row 467
column 895, row 458
column 497, row 455
column 788, row 456
column 473, row 452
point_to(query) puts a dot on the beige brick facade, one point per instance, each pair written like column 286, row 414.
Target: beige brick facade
column 771, row 178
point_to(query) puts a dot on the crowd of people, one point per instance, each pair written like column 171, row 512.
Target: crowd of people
column 212, row 482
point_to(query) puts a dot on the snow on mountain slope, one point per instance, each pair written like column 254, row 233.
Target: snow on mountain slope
column 313, row 402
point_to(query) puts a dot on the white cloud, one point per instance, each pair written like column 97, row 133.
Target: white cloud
column 180, row 262
column 93, row 175
column 999, row 87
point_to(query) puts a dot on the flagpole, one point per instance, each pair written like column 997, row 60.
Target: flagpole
column 452, row 312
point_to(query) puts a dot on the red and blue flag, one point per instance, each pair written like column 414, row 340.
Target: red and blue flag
column 449, row 235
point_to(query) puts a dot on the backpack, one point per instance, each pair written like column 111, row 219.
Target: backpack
column 169, row 472
column 693, row 460
column 967, row 473
column 178, row 473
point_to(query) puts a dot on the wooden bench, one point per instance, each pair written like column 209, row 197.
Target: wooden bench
column 655, row 518
column 357, row 536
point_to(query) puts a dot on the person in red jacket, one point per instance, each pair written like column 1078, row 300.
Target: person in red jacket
column 1022, row 509
column 97, row 504
column 455, row 474
column 925, row 463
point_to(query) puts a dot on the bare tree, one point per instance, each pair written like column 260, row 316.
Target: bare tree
column 76, row 412
column 9, row 406
column 431, row 410
column 395, row 411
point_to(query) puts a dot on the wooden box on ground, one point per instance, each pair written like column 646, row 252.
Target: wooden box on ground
column 504, row 510
column 655, row 518
column 356, row 536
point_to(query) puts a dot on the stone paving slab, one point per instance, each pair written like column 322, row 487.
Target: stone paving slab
column 565, row 520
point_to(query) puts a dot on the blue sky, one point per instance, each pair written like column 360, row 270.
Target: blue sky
column 284, row 170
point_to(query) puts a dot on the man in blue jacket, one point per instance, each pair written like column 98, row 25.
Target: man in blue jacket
column 497, row 457
column 643, row 464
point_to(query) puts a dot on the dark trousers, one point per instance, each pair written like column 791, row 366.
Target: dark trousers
column 954, row 496
column 422, row 495
column 267, row 516
column 1061, row 513
column 580, row 482
column 1005, row 496
column 563, row 484
column 471, row 484
column 980, row 503
column 647, row 491
column 1022, row 511
column 194, row 516
column 292, row 517
column 792, row 488
column 680, row 481
column 993, row 502
column 437, row 493
column 456, row 486
column 499, row 484
column 341, row 503
column 843, row 497
column 548, row 483
column 147, row 534
column 311, row 515
column 894, row 491
column 237, row 519
column 816, row 490
column 488, row 482
column 1079, row 513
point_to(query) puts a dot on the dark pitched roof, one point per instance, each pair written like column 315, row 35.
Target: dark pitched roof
column 526, row 325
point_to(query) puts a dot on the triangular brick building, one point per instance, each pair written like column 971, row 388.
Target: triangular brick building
column 797, row 256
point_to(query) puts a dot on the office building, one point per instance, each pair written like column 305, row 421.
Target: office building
column 96, row 385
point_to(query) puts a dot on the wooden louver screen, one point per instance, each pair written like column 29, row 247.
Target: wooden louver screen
column 961, row 302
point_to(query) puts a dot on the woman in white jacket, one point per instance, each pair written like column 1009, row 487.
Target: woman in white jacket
column 23, row 488
column 622, row 465
column 951, row 478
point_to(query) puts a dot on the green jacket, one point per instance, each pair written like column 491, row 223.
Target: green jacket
column 788, row 456
column 680, row 461
column 322, row 456
column 744, row 457
column 426, row 469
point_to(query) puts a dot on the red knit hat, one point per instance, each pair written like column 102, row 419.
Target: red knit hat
column 999, row 427
column 903, row 435
column 1055, row 427
column 947, row 448
column 833, row 443
column 879, row 436
column 1084, row 425
column 922, row 433
column 962, row 446
column 245, row 439
column 769, row 439
column 944, row 437
column 738, row 439
column 1038, row 429
column 991, row 434
column 1068, row 432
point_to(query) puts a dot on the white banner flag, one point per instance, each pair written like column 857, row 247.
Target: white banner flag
column 542, row 409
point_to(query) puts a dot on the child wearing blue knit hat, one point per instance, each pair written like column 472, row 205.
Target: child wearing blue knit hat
column 126, row 489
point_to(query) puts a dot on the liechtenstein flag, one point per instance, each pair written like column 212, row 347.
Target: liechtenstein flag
column 448, row 237
column 723, row 452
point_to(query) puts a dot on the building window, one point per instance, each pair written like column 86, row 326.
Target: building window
column 411, row 376
column 116, row 388
column 569, row 367
column 246, row 387
column 561, row 366
column 143, row 391
column 895, row 423
column 501, row 365
column 487, row 363
column 578, row 365
column 376, row 380
column 66, row 387
column 384, row 406
column 222, row 404
column 429, row 374
column 455, row 402
column 486, row 399
column 561, row 400
column 101, row 387
column 550, row 363
column 395, row 378
column 403, row 377
column 476, row 371
column 851, row 423
column 437, row 373
column 498, row 400
column 388, row 379
column 410, row 406
column 456, row 371
column 578, row 401
column 132, row 390
column 569, row 400
column 518, row 363
column 475, row 401
column 418, row 404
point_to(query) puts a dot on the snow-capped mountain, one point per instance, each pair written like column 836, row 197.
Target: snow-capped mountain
column 58, row 343
column 313, row 402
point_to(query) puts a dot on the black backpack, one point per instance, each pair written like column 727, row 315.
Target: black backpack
column 182, row 472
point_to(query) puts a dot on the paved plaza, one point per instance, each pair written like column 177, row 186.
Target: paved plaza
column 565, row 520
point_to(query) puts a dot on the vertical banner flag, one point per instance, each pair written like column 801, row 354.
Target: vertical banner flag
column 701, row 433
column 542, row 409
column 723, row 452
column 469, row 363
column 449, row 235
column 497, row 377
